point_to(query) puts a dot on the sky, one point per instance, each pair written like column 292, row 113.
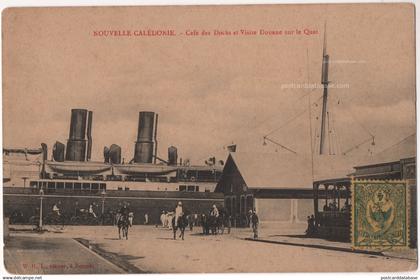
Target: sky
column 210, row 91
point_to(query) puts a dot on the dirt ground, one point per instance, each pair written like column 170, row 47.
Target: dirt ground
column 152, row 249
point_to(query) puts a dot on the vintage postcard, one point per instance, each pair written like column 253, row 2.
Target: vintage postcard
column 209, row 139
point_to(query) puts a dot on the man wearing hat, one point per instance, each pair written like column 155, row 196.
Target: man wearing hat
column 178, row 212
column 124, row 211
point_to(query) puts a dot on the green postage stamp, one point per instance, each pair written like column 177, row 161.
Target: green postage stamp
column 379, row 214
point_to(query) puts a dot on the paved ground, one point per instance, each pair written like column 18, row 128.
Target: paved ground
column 151, row 249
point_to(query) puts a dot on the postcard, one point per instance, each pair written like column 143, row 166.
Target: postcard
column 209, row 139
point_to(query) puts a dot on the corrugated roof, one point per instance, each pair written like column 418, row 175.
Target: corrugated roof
column 288, row 171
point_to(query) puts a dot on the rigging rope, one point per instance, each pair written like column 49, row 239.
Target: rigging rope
column 291, row 119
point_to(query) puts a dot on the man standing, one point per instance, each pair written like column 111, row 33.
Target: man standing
column 146, row 218
column 255, row 222
column 162, row 218
column 130, row 218
column 249, row 218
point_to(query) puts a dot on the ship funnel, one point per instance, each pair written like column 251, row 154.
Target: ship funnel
column 172, row 155
column 58, row 151
column 146, row 145
column 79, row 144
column 115, row 154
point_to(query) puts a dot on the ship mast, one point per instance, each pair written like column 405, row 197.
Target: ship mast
column 324, row 82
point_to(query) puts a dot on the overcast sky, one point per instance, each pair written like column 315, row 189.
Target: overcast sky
column 209, row 91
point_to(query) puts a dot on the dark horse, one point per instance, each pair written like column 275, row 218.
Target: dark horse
column 216, row 225
column 123, row 224
column 182, row 223
column 213, row 224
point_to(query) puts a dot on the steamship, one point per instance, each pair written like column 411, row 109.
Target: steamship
column 148, row 183
column 71, row 167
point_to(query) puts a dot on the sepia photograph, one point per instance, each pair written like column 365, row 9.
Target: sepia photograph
column 270, row 138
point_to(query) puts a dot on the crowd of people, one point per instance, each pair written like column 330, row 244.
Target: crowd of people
column 195, row 219
column 166, row 217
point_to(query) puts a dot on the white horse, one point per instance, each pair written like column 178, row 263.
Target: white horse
column 130, row 218
column 169, row 219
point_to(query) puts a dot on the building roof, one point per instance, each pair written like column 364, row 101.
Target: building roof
column 406, row 148
column 288, row 171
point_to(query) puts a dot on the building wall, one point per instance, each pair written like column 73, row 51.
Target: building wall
column 278, row 205
column 271, row 210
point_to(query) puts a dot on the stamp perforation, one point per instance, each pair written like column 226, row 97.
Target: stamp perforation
column 354, row 213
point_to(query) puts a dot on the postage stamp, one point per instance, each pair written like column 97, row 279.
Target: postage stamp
column 380, row 214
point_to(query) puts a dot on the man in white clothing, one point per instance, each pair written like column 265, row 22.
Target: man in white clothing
column 214, row 211
column 178, row 212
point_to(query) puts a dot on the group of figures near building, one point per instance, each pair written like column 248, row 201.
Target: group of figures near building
column 80, row 216
column 212, row 222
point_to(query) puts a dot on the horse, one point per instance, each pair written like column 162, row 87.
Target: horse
column 182, row 223
column 130, row 218
column 190, row 222
column 214, row 224
column 123, row 225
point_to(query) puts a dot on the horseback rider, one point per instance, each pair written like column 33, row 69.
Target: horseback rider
column 56, row 209
column 178, row 212
column 124, row 211
column 91, row 212
column 214, row 212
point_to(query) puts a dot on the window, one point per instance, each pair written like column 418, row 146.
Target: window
column 102, row 186
column 191, row 188
column 197, row 188
column 33, row 184
column 51, row 185
column 95, row 186
column 60, row 185
column 86, row 186
column 182, row 188
column 68, row 185
column 126, row 188
column 77, row 186
column 120, row 188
